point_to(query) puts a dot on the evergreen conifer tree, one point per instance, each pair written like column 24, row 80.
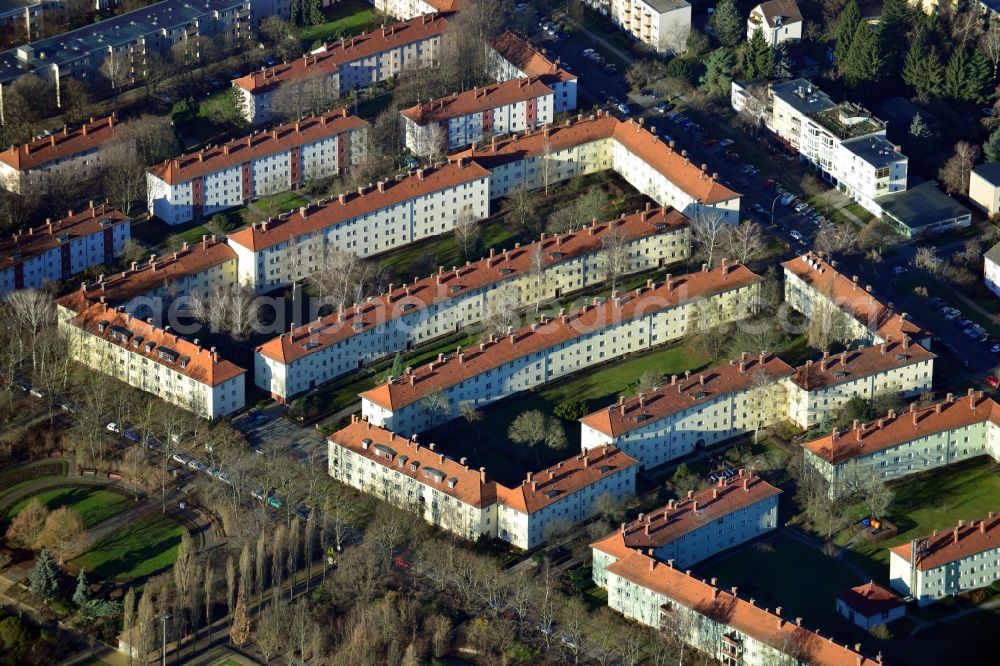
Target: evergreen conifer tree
column 729, row 25
column 991, row 149
column 758, row 59
column 849, row 20
column 864, row 60
column 44, row 582
column 82, row 594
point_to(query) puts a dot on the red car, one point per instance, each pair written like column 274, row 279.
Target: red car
column 993, row 381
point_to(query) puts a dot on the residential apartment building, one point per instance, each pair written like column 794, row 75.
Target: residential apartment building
column 154, row 360
column 870, row 605
column 819, row 388
column 984, row 187
column 127, row 38
column 71, row 153
column 558, row 346
column 814, row 287
column 511, row 57
column 898, row 445
column 394, row 213
column 21, row 21
column 662, row 24
column 349, row 64
column 947, row 562
column 411, row 314
column 991, row 269
column 58, row 250
column 197, row 185
column 843, row 141
column 404, row 10
column 694, row 411
column 689, row 530
column 148, row 289
column 450, row 495
column 446, row 123
column 588, row 145
column 717, row 622
column 779, row 21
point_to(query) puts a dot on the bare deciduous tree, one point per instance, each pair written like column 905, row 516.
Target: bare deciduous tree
column 708, row 233
column 502, row 310
column 343, row 277
column 745, row 241
column 232, row 308
column 955, row 173
column 467, row 233
column 614, row 255
column 124, row 174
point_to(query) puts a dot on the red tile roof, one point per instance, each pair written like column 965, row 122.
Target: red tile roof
column 202, row 365
column 446, row 285
column 729, row 609
column 24, row 245
column 851, row 365
column 947, row 546
column 864, row 439
column 348, row 206
column 456, row 368
column 345, row 51
column 871, row 599
column 857, row 301
column 433, row 468
column 685, row 515
column 554, row 484
column 60, row 145
column 147, row 276
column 675, row 166
column 531, row 61
column 685, row 392
column 255, row 146
column 477, row 100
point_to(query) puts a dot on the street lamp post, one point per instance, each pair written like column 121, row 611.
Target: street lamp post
column 164, row 619
column 774, row 201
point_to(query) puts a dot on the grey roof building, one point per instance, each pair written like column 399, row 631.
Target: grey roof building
column 923, row 210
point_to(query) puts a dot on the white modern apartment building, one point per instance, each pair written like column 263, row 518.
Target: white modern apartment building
column 349, row 64
column 853, row 313
column 197, row 185
column 947, row 562
column 394, row 213
column 558, row 346
column 149, row 289
column 58, row 250
column 694, row 411
column 689, row 530
column 424, row 480
column 984, row 187
column 512, row 57
column 898, row 445
column 717, row 622
column 404, row 10
column 819, row 388
column 843, row 141
column 154, row 360
column 991, row 269
column 448, row 123
column 779, row 21
column 72, row 152
column 662, row 24
column 411, row 314
column 588, row 145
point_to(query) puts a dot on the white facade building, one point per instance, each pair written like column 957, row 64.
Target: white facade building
column 991, row 269
column 661, row 24
column 448, row 123
column 511, row 57
column 984, row 188
column 633, row 322
column 870, row 605
column 197, row 185
column 945, row 563
column 689, row 530
column 779, row 21
column 404, row 10
column 58, row 250
column 394, row 213
column 412, row 314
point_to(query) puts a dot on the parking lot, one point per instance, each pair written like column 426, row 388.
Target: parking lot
column 268, row 433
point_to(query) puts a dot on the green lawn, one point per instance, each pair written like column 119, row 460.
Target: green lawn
column 94, row 504
column 274, row 205
column 416, row 260
column 933, row 502
column 9, row 480
column 964, row 641
column 141, row 549
column 350, row 17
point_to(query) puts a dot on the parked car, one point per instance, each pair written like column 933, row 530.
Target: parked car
column 37, row 393
column 992, row 381
column 899, row 270
column 114, row 427
column 725, row 143
column 180, row 458
column 132, row 435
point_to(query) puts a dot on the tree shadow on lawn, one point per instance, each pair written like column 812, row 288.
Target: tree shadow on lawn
column 123, row 555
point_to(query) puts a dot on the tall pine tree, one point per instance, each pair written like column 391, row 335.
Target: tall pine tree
column 758, row 59
column 991, row 149
column 729, row 25
column 849, row 20
column 43, row 576
column 967, row 77
column 864, row 60
column 893, row 28
column 923, row 70
column 82, row 594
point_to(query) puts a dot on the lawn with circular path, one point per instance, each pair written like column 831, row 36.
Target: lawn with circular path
column 142, row 548
column 93, row 503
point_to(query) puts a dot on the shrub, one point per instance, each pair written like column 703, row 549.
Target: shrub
column 572, row 409
column 881, row 632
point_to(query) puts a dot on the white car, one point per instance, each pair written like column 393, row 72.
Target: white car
column 114, row 427
column 899, row 270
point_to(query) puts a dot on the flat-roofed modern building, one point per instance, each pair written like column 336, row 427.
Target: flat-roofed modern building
column 394, row 213
column 197, row 185
column 815, row 287
column 450, row 495
column 694, row 411
column 600, row 142
column 154, row 360
column 69, row 152
column 412, row 314
column 352, row 63
column 61, row 249
column 513, row 57
column 717, row 622
column 984, row 187
column 447, row 123
column 694, row 528
column 662, row 24
column 21, row 21
column 947, row 562
column 898, row 445
column 557, row 346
